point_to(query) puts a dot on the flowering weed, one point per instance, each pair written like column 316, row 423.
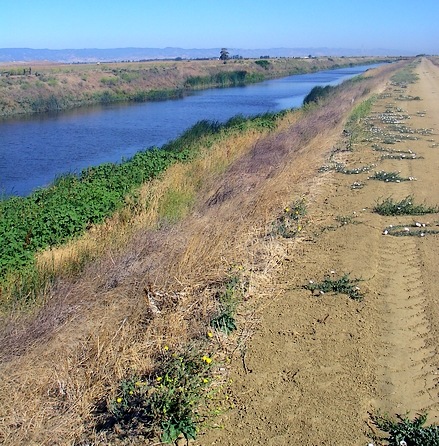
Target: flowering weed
column 165, row 403
column 290, row 222
column 415, row 229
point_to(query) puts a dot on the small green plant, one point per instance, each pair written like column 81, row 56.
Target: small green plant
column 415, row 229
column 289, row 224
column 340, row 168
column 389, row 177
column 228, row 299
column 347, row 219
column 401, row 156
column 357, row 185
column 164, row 403
column 404, row 207
column 342, row 285
column 403, row 431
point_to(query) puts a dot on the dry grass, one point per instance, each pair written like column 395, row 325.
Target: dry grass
column 95, row 330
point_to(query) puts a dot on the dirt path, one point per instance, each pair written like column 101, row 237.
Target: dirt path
column 319, row 364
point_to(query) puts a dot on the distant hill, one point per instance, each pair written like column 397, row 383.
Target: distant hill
column 136, row 54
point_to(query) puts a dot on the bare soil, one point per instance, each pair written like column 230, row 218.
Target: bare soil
column 317, row 366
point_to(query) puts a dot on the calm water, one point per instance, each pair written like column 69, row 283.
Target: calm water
column 33, row 151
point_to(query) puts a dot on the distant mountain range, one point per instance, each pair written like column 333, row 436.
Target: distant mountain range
column 136, row 54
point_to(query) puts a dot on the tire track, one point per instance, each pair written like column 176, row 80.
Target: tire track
column 407, row 378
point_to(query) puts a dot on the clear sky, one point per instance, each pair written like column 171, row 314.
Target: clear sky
column 404, row 25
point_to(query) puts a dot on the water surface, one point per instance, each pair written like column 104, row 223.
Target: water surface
column 37, row 149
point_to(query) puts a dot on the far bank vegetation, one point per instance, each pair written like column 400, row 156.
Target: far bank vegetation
column 44, row 88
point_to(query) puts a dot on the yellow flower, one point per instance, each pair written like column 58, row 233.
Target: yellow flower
column 205, row 380
column 166, row 348
column 287, row 209
column 206, row 359
column 209, row 334
column 159, row 378
column 130, row 392
column 299, row 228
column 119, row 400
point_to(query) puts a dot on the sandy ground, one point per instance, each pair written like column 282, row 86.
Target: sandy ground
column 319, row 365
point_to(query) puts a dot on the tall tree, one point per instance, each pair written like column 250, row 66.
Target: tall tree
column 224, row 54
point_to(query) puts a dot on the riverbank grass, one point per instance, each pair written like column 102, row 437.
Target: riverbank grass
column 108, row 196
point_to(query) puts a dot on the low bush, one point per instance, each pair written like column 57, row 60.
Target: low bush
column 263, row 63
column 389, row 177
column 318, row 93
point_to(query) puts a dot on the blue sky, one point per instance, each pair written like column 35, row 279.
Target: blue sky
column 405, row 25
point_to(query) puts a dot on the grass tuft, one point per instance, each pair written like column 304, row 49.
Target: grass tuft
column 228, row 299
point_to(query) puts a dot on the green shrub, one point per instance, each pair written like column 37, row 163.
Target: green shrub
column 223, row 79
column 263, row 63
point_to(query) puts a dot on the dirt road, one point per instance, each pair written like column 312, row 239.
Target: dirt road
column 318, row 365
